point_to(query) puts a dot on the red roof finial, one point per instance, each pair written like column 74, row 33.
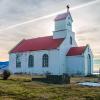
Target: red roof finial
column 67, row 8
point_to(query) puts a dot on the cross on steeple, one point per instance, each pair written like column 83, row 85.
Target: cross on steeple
column 67, row 8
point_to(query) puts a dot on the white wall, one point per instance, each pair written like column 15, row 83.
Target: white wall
column 62, row 25
column 79, row 63
column 60, row 34
column 37, row 69
column 63, row 49
column 59, row 63
column 87, row 69
column 75, row 65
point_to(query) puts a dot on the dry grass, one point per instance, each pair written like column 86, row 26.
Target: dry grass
column 22, row 88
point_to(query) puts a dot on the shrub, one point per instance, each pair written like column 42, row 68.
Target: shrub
column 91, row 75
column 6, row 74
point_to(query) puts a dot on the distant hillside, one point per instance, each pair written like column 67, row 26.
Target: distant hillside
column 97, row 61
column 4, row 65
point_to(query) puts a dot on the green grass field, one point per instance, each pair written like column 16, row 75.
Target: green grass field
column 22, row 88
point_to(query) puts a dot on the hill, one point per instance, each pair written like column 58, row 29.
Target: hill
column 4, row 65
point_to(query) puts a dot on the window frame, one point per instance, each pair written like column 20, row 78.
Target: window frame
column 18, row 61
column 45, row 60
column 30, row 61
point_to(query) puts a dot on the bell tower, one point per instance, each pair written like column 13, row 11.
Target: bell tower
column 63, row 24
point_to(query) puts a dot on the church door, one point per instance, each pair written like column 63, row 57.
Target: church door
column 89, row 64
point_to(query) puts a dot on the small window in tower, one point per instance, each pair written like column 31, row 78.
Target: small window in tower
column 69, row 24
column 71, row 40
column 68, row 17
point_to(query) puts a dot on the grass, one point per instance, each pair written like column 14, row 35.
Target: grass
column 22, row 88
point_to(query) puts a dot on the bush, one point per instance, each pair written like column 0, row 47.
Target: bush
column 91, row 75
column 6, row 74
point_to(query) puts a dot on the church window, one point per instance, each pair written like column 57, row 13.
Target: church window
column 70, row 40
column 45, row 60
column 31, row 61
column 18, row 62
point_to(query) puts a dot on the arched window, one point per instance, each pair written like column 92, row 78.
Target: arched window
column 18, row 61
column 45, row 60
column 89, row 56
column 70, row 40
column 31, row 61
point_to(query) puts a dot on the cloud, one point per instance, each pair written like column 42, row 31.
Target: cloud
column 25, row 11
column 47, row 16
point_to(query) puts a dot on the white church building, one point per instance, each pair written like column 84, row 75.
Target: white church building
column 58, row 54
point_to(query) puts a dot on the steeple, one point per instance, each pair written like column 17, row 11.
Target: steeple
column 63, row 24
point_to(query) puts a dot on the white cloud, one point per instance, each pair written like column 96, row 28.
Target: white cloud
column 17, row 11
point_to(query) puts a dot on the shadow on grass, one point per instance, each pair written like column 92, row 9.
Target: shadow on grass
column 45, row 80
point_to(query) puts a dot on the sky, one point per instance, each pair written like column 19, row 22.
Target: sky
column 21, row 19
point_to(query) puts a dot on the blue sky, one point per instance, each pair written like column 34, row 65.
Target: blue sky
column 33, row 18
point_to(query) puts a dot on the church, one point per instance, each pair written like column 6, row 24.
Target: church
column 57, row 54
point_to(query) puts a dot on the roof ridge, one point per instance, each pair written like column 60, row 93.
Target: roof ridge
column 17, row 45
column 73, row 51
column 62, row 16
column 35, row 44
column 39, row 37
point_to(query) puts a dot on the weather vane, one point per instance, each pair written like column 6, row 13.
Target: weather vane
column 67, row 7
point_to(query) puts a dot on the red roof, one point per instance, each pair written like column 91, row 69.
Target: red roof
column 62, row 16
column 76, row 51
column 41, row 43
